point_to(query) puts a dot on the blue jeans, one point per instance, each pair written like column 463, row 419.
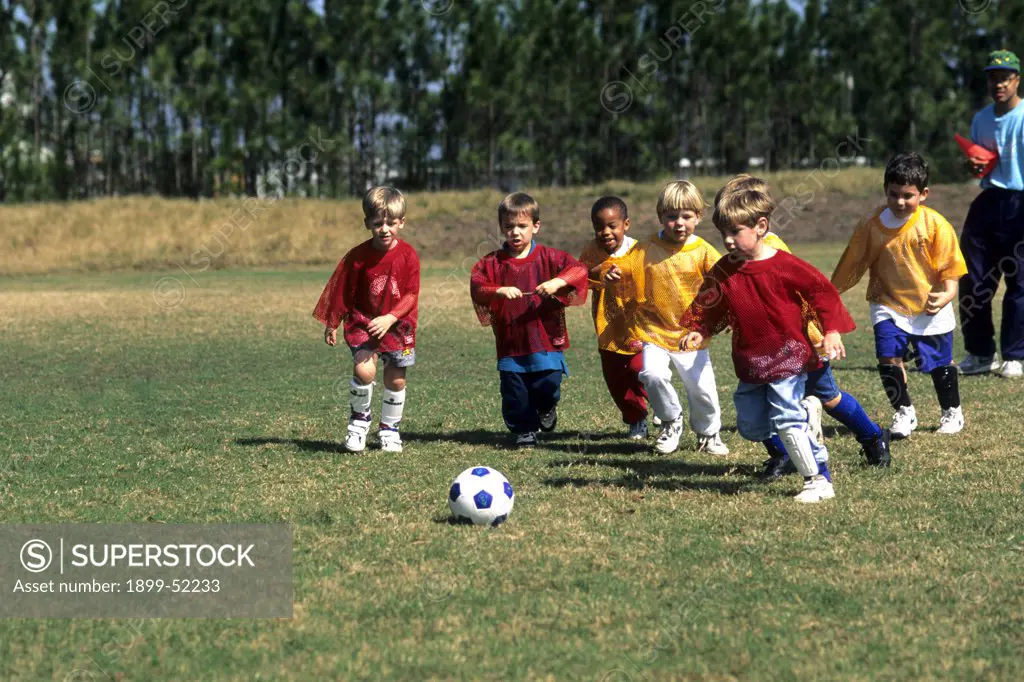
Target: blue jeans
column 821, row 383
column 764, row 409
column 527, row 395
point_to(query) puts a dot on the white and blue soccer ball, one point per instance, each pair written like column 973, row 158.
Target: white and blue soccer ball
column 481, row 495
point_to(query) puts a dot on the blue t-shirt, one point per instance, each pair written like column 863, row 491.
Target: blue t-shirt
column 543, row 361
column 1004, row 135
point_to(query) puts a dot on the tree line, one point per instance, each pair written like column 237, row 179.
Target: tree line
column 203, row 98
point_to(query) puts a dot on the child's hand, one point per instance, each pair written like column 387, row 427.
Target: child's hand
column 614, row 274
column 330, row 336
column 977, row 164
column 550, row 287
column 379, row 326
column 832, row 346
column 937, row 300
column 509, row 292
column 691, row 341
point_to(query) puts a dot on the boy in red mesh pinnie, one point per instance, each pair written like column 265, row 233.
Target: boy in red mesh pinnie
column 375, row 291
column 521, row 291
column 763, row 294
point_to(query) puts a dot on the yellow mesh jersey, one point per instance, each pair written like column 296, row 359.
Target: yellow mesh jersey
column 775, row 241
column 613, row 312
column 814, row 334
column 904, row 264
column 664, row 277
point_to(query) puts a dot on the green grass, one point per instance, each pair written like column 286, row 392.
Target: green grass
column 615, row 565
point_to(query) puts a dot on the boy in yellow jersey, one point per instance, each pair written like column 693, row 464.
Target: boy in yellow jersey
column 620, row 362
column 821, row 389
column 663, row 274
column 914, row 261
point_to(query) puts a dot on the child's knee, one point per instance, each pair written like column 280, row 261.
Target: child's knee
column 364, row 367
column 753, row 432
column 394, row 378
column 649, row 376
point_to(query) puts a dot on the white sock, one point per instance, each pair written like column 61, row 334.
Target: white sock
column 360, row 396
column 391, row 410
column 798, row 445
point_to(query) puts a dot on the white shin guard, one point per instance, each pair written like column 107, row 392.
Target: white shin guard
column 391, row 410
column 798, row 445
column 360, row 396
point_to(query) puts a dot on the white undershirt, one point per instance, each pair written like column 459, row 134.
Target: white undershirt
column 921, row 324
column 626, row 245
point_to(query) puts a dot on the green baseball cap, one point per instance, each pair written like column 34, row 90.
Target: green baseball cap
column 1003, row 59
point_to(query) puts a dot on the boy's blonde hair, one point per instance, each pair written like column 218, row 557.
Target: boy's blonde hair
column 743, row 207
column 516, row 204
column 741, row 182
column 680, row 195
column 385, row 201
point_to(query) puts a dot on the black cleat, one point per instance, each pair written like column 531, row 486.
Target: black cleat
column 526, row 441
column 877, row 450
column 549, row 420
column 776, row 468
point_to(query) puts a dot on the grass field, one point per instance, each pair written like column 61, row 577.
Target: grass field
column 615, row 565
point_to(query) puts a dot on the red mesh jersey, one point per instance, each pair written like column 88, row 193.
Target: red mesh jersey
column 530, row 324
column 368, row 283
column 768, row 303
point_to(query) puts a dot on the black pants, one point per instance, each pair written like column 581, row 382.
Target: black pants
column 993, row 246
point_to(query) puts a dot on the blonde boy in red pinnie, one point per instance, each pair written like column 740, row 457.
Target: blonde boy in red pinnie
column 375, row 291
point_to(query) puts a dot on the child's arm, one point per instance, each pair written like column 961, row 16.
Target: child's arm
column 940, row 298
column 824, row 300
column 486, row 292
column 947, row 261
column 409, row 301
column 569, row 286
column 856, row 259
column 708, row 314
column 595, row 267
column 334, row 304
column 832, row 346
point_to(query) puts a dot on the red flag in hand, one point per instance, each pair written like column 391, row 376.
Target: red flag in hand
column 975, row 151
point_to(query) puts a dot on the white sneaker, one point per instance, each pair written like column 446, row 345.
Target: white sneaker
column 978, row 364
column 813, row 407
column 816, row 489
column 951, row 421
column 1012, row 369
column 638, row 431
column 712, row 445
column 668, row 439
column 904, row 422
column 355, row 441
column 390, row 440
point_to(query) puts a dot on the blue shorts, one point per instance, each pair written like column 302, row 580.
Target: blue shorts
column 822, row 384
column 932, row 351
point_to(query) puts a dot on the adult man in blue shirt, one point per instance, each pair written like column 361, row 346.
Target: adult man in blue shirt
column 993, row 236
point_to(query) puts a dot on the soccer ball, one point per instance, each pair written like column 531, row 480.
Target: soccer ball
column 482, row 496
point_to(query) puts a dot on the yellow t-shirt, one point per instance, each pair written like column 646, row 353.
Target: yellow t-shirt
column 904, row 264
column 775, row 241
column 613, row 312
column 664, row 277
